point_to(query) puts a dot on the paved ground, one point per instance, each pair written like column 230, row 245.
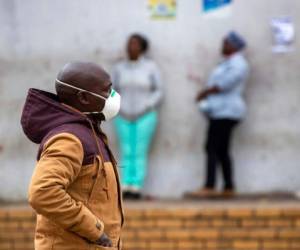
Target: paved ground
column 212, row 204
column 270, row 200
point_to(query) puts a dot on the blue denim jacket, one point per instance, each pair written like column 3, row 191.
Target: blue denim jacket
column 230, row 76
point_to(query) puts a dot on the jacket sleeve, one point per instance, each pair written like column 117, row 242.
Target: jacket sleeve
column 58, row 167
column 157, row 87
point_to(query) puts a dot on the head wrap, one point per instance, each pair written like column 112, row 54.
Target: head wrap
column 236, row 40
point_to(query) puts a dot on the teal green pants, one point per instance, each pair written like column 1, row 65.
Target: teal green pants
column 135, row 138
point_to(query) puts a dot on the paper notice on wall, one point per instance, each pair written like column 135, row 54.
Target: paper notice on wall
column 283, row 31
column 217, row 8
column 162, row 9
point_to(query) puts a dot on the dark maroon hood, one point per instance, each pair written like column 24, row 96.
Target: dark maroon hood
column 43, row 112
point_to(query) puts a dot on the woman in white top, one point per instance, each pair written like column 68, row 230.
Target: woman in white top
column 137, row 79
column 222, row 102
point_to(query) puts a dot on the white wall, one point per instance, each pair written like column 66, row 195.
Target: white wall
column 38, row 37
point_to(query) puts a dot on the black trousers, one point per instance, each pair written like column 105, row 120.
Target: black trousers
column 218, row 151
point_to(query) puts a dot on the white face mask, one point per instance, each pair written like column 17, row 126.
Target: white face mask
column 111, row 106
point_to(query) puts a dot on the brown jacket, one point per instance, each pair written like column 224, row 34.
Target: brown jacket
column 75, row 188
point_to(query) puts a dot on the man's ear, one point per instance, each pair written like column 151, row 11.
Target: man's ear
column 83, row 97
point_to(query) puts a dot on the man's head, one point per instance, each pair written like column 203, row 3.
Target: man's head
column 84, row 86
column 136, row 46
column 233, row 43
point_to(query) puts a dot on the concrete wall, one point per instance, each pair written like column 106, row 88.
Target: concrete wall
column 38, row 37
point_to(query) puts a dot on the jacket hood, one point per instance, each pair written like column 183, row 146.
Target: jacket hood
column 43, row 112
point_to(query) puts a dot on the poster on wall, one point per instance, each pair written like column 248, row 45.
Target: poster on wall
column 162, row 9
column 217, row 8
column 283, row 32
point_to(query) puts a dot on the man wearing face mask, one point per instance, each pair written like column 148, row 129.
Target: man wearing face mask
column 75, row 188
